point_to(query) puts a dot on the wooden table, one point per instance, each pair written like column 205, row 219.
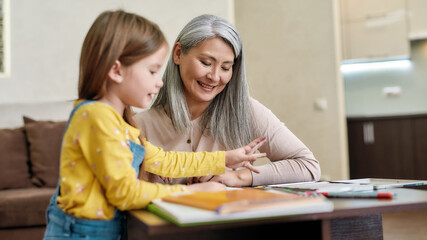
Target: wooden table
column 351, row 219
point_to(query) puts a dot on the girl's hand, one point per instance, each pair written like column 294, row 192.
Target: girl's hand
column 166, row 180
column 242, row 157
column 151, row 177
column 194, row 180
column 206, row 187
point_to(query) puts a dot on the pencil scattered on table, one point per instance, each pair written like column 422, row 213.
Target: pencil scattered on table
column 331, row 194
column 387, row 195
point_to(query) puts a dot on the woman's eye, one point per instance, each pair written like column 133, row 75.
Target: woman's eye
column 205, row 63
column 226, row 69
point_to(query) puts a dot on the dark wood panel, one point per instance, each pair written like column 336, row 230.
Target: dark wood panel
column 362, row 119
column 406, row 165
column 357, row 150
column 390, row 151
column 420, row 148
column 378, row 157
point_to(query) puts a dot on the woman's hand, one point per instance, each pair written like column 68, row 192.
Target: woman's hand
column 242, row 157
column 240, row 178
column 206, row 187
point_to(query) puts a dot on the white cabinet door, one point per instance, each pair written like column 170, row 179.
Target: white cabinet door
column 374, row 30
column 417, row 17
column 369, row 41
column 359, row 10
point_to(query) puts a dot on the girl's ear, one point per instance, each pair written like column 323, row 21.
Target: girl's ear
column 116, row 72
column 177, row 52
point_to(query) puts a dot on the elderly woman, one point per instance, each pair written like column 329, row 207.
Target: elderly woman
column 205, row 106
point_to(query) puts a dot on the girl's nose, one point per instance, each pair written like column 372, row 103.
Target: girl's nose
column 159, row 83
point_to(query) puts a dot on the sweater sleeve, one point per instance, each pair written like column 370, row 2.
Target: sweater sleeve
column 104, row 147
column 182, row 164
column 291, row 160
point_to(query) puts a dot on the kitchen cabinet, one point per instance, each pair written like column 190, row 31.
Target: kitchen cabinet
column 388, row 147
column 374, row 30
column 417, row 19
column 356, row 10
column 420, row 148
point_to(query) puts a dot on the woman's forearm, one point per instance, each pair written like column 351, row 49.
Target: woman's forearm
column 288, row 170
column 244, row 177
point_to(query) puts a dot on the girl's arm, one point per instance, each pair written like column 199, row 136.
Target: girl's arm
column 182, row 164
column 189, row 164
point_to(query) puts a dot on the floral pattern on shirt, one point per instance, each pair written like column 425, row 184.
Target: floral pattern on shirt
column 95, row 168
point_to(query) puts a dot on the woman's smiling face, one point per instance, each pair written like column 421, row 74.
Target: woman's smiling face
column 205, row 70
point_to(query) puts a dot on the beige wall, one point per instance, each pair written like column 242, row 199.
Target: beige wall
column 292, row 60
column 46, row 38
column 290, row 47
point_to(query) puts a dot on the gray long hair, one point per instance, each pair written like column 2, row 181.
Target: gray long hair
column 228, row 117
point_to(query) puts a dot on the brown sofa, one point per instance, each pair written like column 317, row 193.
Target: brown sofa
column 29, row 163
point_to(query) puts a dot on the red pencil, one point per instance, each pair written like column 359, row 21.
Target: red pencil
column 358, row 194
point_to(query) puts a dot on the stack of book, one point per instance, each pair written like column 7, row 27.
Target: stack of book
column 200, row 208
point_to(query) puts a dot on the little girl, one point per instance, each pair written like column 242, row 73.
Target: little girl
column 101, row 154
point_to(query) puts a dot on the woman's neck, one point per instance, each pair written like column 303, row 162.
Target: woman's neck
column 196, row 109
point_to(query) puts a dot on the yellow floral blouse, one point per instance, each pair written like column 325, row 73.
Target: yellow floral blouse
column 96, row 175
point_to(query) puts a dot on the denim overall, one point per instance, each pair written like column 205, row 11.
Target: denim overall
column 61, row 225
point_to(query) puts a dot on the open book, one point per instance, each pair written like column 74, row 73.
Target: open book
column 324, row 186
column 382, row 183
column 235, row 205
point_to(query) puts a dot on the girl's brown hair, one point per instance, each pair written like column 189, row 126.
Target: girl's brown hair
column 115, row 35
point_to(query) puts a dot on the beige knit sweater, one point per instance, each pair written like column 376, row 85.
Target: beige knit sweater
column 291, row 160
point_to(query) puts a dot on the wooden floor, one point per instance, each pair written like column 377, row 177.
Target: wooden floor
column 410, row 225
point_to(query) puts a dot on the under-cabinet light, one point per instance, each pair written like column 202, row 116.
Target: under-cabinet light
column 372, row 66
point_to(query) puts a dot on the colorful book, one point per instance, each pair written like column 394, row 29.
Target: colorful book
column 235, row 205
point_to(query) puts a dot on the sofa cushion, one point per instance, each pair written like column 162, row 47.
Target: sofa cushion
column 24, row 207
column 14, row 170
column 44, row 139
column 31, row 233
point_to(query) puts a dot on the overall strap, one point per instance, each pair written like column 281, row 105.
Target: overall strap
column 75, row 109
column 138, row 152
